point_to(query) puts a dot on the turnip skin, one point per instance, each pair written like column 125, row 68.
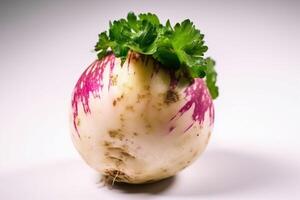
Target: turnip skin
column 134, row 123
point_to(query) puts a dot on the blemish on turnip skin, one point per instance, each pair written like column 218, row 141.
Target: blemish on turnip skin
column 114, row 103
column 122, row 119
column 123, row 153
column 171, row 128
column 113, row 133
column 159, row 104
column 148, row 126
column 120, row 98
column 161, row 94
column 114, row 79
column 165, row 170
column 116, row 134
column 129, row 108
column 156, row 68
column 127, row 155
column 106, row 143
column 171, row 96
column 78, row 122
column 156, row 108
column 147, row 87
column 141, row 97
column 115, row 160
column 135, row 56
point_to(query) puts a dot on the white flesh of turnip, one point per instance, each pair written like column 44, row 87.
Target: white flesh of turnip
column 136, row 123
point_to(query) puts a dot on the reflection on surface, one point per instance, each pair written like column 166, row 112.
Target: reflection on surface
column 217, row 172
column 221, row 172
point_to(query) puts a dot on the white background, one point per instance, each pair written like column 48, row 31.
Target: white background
column 254, row 150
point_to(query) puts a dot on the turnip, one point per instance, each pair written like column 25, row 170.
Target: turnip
column 143, row 110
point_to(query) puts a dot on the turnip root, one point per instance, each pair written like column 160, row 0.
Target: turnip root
column 137, row 122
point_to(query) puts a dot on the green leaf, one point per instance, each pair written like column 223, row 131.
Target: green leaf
column 180, row 48
column 102, row 45
column 145, row 36
column 168, row 26
column 188, row 43
column 149, row 17
column 132, row 21
column 167, row 57
column 211, row 78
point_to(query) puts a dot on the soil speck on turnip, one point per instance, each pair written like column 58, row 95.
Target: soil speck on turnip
column 171, row 96
column 114, row 80
column 116, row 134
column 129, row 108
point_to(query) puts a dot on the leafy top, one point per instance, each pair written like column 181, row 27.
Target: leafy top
column 180, row 48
